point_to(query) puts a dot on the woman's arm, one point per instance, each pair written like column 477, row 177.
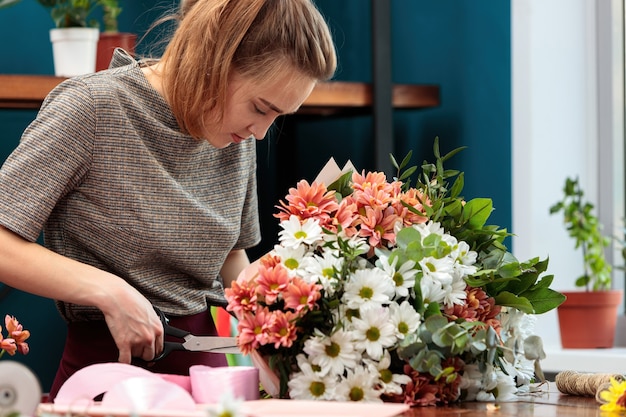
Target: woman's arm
column 130, row 317
column 235, row 262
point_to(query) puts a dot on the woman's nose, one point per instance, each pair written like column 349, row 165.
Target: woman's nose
column 259, row 129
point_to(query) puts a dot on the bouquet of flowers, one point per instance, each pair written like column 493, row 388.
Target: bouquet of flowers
column 383, row 291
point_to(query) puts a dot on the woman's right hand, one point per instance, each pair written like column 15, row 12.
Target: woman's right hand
column 133, row 323
column 30, row 267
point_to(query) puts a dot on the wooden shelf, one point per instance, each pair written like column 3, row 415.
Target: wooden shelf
column 327, row 99
column 25, row 91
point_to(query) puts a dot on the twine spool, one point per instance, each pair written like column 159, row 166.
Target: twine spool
column 583, row 384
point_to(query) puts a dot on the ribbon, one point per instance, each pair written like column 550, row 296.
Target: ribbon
column 136, row 389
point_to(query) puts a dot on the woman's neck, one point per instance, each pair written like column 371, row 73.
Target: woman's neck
column 153, row 75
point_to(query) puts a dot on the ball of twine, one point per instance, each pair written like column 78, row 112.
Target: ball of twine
column 583, row 384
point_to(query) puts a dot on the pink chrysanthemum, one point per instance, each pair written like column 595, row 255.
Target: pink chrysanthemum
column 17, row 333
column 241, row 297
column 282, row 330
column 8, row 345
column 253, row 330
column 369, row 180
column 302, row 296
column 271, row 282
column 416, row 199
column 378, row 226
column 269, row 261
column 346, row 217
column 308, row 201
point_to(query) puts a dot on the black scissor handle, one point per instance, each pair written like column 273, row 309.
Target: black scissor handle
column 170, row 330
column 169, row 347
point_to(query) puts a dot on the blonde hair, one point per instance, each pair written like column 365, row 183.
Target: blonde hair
column 255, row 38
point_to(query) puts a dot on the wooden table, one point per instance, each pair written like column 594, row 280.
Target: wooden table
column 548, row 404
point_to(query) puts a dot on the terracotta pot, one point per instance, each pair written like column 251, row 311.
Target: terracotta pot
column 107, row 44
column 587, row 320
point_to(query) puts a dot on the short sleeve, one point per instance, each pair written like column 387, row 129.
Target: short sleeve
column 51, row 159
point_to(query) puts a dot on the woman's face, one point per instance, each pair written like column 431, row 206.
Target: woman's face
column 251, row 107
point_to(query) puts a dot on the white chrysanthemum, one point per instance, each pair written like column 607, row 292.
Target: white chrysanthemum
column 429, row 228
column 464, row 255
column 404, row 318
column 293, row 258
column 438, row 269
column 455, row 293
column 403, row 277
column 479, row 385
column 522, row 372
column 516, row 323
column 450, row 241
column 373, row 331
column 432, row 291
column 310, row 385
column 516, row 328
column 358, row 385
column 506, row 387
column 295, row 233
column 389, row 382
column 320, row 270
column 471, row 383
column 367, row 288
column 332, row 353
column 356, row 243
column 494, row 384
column 228, row 406
column 342, row 315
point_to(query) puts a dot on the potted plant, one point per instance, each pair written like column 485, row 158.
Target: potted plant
column 579, row 325
column 111, row 37
column 74, row 38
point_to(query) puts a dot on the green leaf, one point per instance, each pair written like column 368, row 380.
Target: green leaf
column 476, row 212
column 508, row 299
column 342, row 184
column 509, row 266
column 544, row 299
column 458, row 185
column 544, row 282
column 407, row 236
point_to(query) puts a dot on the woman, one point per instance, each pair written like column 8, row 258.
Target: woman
column 142, row 178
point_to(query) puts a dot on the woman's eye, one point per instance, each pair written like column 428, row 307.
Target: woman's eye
column 258, row 110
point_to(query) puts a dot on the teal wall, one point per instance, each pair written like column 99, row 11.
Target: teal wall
column 463, row 46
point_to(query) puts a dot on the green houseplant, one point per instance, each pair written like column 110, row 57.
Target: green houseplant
column 74, row 37
column 111, row 9
column 71, row 13
column 111, row 37
column 598, row 297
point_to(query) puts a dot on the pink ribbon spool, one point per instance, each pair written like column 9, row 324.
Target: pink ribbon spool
column 209, row 384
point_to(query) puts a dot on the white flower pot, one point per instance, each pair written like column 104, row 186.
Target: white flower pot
column 74, row 50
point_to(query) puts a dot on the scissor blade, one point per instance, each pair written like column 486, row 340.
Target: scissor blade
column 212, row 344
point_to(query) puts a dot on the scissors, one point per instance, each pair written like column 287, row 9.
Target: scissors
column 192, row 343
